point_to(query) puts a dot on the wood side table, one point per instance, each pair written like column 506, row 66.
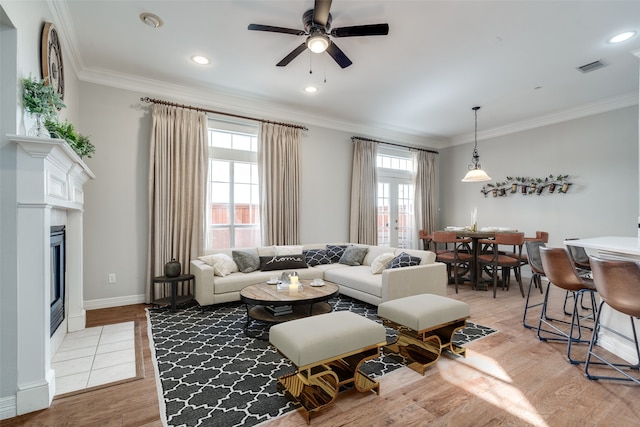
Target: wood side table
column 174, row 299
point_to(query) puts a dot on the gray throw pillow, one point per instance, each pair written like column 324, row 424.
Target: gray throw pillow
column 405, row 260
column 246, row 261
column 353, row 255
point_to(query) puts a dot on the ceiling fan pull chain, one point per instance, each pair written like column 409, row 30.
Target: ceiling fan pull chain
column 310, row 59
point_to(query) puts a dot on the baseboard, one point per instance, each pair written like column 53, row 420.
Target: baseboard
column 8, row 407
column 114, row 302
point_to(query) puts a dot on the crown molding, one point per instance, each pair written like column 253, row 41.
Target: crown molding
column 67, row 32
column 602, row 106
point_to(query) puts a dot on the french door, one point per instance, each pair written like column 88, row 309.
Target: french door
column 395, row 213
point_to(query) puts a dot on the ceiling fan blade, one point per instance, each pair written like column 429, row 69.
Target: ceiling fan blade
column 259, row 27
column 338, row 55
column 321, row 12
column 361, row 30
column 295, row 52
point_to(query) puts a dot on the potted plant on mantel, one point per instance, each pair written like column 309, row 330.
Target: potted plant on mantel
column 43, row 102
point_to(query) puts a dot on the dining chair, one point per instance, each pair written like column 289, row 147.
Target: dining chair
column 460, row 255
column 537, row 273
column 561, row 272
column 618, row 285
column 425, row 237
column 492, row 260
column 541, row 236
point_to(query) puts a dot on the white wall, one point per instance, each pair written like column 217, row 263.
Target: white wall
column 116, row 214
column 600, row 153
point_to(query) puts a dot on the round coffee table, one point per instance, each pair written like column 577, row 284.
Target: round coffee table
column 274, row 304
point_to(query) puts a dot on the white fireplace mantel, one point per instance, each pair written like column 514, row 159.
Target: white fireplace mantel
column 49, row 176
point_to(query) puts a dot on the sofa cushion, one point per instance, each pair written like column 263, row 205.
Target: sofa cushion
column 282, row 262
column 353, row 255
column 358, row 277
column 222, row 264
column 247, row 261
column 374, row 251
column 426, row 257
column 315, row 257
column 335, row 252
column 288, row 250
column 382, row 262
column 404, row 260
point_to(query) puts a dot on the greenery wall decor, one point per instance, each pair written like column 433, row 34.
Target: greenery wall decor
column 528, row 185
column 43, row 102
column 80, row 143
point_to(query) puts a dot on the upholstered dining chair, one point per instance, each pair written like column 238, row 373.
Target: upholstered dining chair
column 459, row 256
column 618, row 285
column 493, row 260
column 541, row 236
column 425, row 237
column 559, row 269
column 537, row 273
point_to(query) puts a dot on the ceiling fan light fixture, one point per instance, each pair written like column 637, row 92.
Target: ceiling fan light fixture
column 318, row 43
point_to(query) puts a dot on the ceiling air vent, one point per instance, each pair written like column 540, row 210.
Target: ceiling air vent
column 596, row 65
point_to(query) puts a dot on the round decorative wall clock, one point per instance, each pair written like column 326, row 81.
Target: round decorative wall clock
column 52, row 68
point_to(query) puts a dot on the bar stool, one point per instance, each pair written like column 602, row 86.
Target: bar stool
column 453, row 258
column 537, row 273
column 559, row 269
column 580, row 259
column 618, row 284
column 493, row 260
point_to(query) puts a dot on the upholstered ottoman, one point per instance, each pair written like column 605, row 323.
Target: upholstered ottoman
column 425, row 324
column 327, row 351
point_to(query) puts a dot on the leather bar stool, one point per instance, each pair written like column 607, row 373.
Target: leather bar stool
column 618, row 284
column 559, row 269
column 537, row 273
column 459, row 256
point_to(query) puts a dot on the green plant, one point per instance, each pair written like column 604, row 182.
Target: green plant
column 80, row 143
column 39, row 98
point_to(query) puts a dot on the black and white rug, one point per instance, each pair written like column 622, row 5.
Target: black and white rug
column 213, row 375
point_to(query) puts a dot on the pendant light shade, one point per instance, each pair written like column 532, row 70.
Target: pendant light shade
column 476, row 174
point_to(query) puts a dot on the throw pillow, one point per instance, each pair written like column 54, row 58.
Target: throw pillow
column 287, row 250
column 222, row 264
column 381, row 262
column 284, row 262
column 405, row 260
column 353, row 255
column 246, row 261
column 316, row 257
column 334, row 252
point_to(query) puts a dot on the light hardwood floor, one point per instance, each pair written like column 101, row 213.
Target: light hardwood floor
column 509, row 378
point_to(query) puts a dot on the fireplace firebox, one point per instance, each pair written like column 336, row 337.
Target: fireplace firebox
column 57, row 276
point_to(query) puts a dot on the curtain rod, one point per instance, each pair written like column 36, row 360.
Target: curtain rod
column 190, row 107
column 395, row 145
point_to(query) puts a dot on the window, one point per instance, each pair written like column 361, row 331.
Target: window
column 396, row 226
column 233, row 191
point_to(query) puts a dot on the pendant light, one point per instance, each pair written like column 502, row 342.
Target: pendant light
column 476, row 174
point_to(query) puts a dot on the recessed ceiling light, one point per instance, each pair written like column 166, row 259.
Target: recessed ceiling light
column 622, row 37
column 151, row 20
column 311, row 89
column 200, row 60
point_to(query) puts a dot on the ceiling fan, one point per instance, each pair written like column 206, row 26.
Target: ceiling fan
column 317, row 28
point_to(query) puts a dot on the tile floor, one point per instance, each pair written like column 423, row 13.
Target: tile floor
column 95, row 356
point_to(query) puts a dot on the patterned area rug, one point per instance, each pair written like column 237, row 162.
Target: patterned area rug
column 213, row 375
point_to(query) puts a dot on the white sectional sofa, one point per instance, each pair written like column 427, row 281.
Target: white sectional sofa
column 355, row 281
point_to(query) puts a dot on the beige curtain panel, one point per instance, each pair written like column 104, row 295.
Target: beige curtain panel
column 279, row 169
column 425, row 186
column 177, row 191
column 363, row 224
